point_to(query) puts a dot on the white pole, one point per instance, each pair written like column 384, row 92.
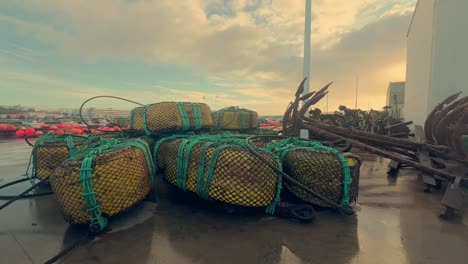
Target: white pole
column 308, row 17
column 357, row 84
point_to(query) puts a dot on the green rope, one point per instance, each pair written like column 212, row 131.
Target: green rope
column 71, row 146
column 143, row 145
column 270, row 209
column 251, row 117
column 201, row 168
column 184, row 116
column 209, row 174
column 158, row 145
column 131, row 117
column 197, row 115
column 183, row 158
column 283, row 147
column 219, row 117
column 86, row 170
column 95, row 214
column 145, row 121
column 57, row 138
column 243, row 123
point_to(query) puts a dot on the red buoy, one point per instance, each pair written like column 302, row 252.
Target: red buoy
column 52, row 127
column 21, row 128
column 30, row 131
column 59, row 131
column 19, row 133
column 39, row 133
column 60, row 125
column 3, row 127
column 10, row 127
column 76, row 131
column 43, row 126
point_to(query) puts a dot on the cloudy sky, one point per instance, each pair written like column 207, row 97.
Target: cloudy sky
column 224, row 52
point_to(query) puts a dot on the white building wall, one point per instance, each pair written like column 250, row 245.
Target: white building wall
column 418, row 62
column 437, row 56
column 450, row 58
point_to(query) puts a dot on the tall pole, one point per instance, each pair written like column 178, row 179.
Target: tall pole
column 327, row 102
column 306, row 68
column 357, row 84
column 307, row 27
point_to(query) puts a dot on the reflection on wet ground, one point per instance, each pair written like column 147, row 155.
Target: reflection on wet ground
column 395, row 222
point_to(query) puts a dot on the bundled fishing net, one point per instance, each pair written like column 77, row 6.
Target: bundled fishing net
column 235, row 118
column 136, row 118
column 51, row 149
column 171, row 117
column 103, row 180
column 121, row 121
column 217, row 168
column 330, row 173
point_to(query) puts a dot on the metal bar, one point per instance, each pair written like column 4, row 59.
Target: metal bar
column 377, row 151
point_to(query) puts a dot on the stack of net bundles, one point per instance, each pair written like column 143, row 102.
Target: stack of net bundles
column 51, row 149
column 330, row 173
column 103, row 180
column 235, row 118
column 171, row 117
column 219, row 170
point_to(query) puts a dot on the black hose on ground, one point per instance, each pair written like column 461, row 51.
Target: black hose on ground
column 14, row 182
column 24, row 193
column 345, row 210
column 79, row 242
column 304, row 213
column 27, row 196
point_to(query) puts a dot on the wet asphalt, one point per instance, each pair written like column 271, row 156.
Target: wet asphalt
column 395, row 222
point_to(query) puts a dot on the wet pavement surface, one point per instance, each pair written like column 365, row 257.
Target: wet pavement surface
column 395, row 222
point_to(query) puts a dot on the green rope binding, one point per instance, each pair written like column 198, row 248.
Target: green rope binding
column 219, row 117
column 270, row 209
column 201, row 168
column 251, row 117
column 86, row 176
column 95, row 214
column 158, row 144
column 184, row 116
column 57, row 138
column 183, row 158
column 209, row 174
column 284, row 146
column 145, row 121
column 71, row 146
column 131, row 117
column 243, row 122
column 197, row 115
column 143, row 145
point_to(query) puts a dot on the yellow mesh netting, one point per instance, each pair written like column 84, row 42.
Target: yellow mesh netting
column 322, row 172
column 238, row 177
column 235, row 119
column 166, row 116
column 120, row 179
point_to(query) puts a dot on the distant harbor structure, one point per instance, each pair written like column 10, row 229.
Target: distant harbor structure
column 396, row 99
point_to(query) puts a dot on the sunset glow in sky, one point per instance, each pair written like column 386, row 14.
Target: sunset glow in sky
column 241, row 52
